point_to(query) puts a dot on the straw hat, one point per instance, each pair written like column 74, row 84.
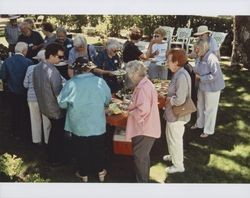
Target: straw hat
column 12, row 17
column 40, row 55
column 203, row 29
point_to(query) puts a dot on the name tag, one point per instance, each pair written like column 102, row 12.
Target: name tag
column 31, row 45
column 69, row 46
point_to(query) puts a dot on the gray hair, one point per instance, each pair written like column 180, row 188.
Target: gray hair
column 203, row 47
column 61, row 29
column 25, row 24
column 136, row 66
column 79, row 41
column 20, row 47
column 113, row 44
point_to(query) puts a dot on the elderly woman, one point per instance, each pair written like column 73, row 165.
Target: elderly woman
column 108, row 61
column 179, row 90
column 157, row 49
column 84, row 97
column 143, row 125
column 32, row 38
column 130, row 50
column 210, row 82
column 80, row 49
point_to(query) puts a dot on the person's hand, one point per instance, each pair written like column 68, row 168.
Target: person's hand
column 168, row 100
column 156, row 53
column 35, row 47
column 197, row 77
column 192, row 55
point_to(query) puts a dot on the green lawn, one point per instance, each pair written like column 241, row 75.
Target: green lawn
column 221, row 158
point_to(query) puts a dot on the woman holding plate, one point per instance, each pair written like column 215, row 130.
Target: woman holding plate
column 107, row 62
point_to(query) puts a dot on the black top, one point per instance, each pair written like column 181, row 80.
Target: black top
column 130, row 52
column 34, row 39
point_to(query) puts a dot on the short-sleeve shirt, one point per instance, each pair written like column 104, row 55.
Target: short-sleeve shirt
column 131, row 52
column 34, row 39
column 103, row 61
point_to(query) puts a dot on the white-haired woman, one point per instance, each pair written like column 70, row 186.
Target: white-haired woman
column 143, row 125
column 108, row 61
column 211, row 82
column 81, row 49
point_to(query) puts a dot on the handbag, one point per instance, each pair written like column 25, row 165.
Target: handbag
column 186, row 108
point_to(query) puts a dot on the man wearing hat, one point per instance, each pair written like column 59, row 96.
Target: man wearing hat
column 84, row 97
column 12, row 32
column 204, row 34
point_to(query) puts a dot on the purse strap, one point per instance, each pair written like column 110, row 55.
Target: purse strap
column 189, row 88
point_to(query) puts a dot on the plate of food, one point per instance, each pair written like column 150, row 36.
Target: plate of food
column 114, row 109
column 119, row 72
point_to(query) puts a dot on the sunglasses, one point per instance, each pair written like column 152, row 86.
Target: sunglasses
column 156, row 36
column 60, row 57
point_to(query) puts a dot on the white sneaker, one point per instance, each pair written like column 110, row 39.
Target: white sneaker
column 167, row 158
column 173, row 169
column 83, row 178
column 194, row 127
column 102, row 175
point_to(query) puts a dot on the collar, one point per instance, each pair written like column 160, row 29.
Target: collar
column 142, row 82
column 18, row 53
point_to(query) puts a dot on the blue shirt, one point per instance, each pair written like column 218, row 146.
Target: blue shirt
column 213, row 46
column 90, row 54
column 211, row 77
column 14, row 70
column 84, row 97
column 103, row 61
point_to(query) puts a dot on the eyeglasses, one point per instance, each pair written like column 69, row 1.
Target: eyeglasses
column 156, row 36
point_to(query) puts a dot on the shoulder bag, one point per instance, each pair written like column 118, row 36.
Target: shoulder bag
column 187, row 107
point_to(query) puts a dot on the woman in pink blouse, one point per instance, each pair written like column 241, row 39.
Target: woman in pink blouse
column 143, row 125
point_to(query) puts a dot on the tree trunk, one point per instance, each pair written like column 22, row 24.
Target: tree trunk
column 241, row 42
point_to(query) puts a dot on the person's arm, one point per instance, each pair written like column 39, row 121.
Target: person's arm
column 26, row 79
column 181, row 91
column 213, row 64
column 140, row 108
column 102, row 72
column 65, row 96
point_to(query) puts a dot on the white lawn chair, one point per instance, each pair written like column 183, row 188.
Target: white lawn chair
column 181, row 38
column 219, row 37
column 39, row 21
column 169, row 33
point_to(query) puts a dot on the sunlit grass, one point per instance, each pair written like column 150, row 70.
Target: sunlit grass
column 235, row 161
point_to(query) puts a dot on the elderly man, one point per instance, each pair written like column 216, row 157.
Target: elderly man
column 47, row 83
column 14, row 69
column 32, row 38
column 67, row 43
column 12, row 32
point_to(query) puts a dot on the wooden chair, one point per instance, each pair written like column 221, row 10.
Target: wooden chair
column 181, row 38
